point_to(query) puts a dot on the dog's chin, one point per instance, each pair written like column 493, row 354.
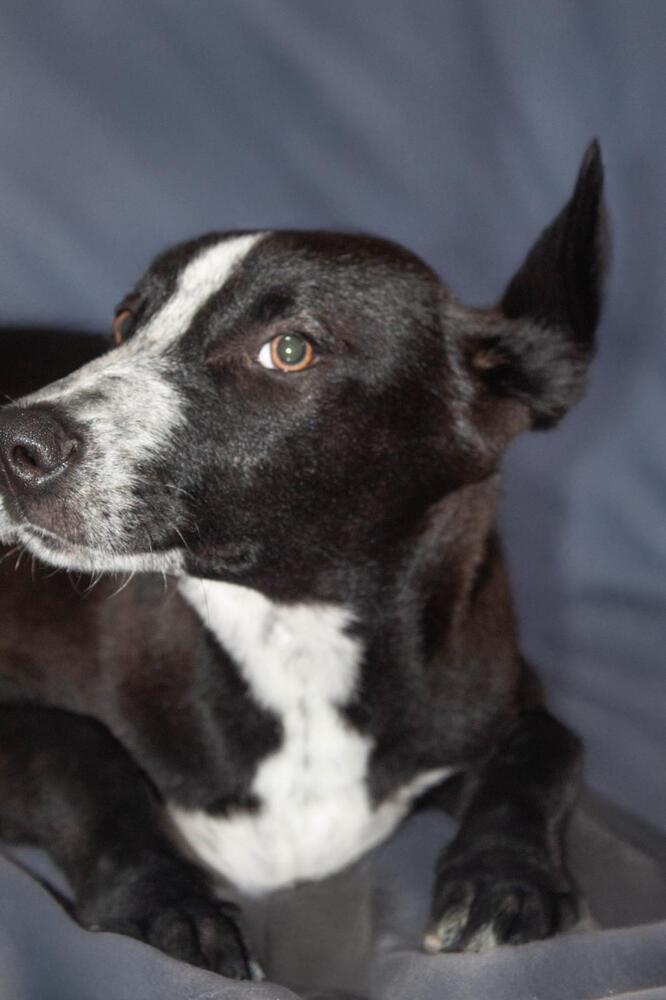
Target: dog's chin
column 57, row 551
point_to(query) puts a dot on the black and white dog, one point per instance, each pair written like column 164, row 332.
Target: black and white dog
column 292, row 452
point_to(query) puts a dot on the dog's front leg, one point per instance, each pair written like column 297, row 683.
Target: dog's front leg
column 68, row 786
column 503, row 878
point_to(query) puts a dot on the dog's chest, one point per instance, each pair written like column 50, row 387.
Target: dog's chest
column 315, row 814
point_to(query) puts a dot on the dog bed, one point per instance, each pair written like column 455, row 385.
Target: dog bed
column 356, row 935
column 475, row 138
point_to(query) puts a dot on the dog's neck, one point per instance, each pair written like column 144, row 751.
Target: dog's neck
column 428, row 575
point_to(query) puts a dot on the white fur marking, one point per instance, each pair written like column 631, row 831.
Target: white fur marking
column 315, row 815
column 207, row 273
column 484, row 939
column 84, row 560
column 130, row 416
column 445, row 933
column 6, row 529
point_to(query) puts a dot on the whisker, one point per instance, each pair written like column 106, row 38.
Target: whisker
column 182, row 538
column 75, row 583
column 151, row 551
column 179, row 489
column 94, row 581
column 130, row 576
column 10, row 552
column 206, row 605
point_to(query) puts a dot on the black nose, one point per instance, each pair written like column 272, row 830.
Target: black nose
column 34, row 446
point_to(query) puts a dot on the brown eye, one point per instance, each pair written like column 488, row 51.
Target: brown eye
column 289, row 352
column 122, row 324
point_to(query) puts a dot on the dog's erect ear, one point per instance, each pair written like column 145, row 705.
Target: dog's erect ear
column 538, row 341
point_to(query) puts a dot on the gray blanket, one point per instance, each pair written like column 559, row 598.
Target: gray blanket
column 358, row 934
column 456, row 128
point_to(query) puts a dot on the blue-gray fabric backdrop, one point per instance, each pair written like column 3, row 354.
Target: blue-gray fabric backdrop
column 454, row 127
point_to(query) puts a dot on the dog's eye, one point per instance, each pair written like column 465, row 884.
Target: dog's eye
column 122, row 325
column 288, row 352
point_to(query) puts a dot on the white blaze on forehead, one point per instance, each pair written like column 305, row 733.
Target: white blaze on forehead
column 206, row 274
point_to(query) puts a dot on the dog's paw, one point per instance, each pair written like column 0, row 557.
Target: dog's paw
column 200, row 934
column 191, row 925
column 495, row 898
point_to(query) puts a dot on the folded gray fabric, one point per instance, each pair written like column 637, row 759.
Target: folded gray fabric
column 452, row 127
column 44, row 955
column 357, row 934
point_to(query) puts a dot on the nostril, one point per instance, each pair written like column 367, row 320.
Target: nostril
column 34, row 446
column 41, row 457
column 32, row 460
column 22, row 456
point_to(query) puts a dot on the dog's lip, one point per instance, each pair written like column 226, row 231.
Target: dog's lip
column 27, row 531
column 45, row 535
column 11, row 513
column 60, row 551
column 10, row 492
column 63, row 546
column 7, row 530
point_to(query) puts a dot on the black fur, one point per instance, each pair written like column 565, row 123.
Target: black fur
column 367, row 480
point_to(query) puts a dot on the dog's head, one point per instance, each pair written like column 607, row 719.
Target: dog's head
column 281, row 399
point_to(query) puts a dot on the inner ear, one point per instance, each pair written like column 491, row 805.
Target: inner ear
column 542, row 369
column 486, row 356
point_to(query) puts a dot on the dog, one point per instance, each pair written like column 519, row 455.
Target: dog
column 290, row 451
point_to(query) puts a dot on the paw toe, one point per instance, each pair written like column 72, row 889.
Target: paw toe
column 479, row 916
column 209, row 939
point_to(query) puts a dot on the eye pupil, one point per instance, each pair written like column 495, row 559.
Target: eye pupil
column 291, row 349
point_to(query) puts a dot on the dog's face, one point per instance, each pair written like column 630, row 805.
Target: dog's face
column 283, row 400
column 263, row 384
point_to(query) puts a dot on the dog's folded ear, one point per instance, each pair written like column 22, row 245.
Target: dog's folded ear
column 535, row 346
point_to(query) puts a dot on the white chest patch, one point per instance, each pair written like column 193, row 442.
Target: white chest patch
column 315, row 815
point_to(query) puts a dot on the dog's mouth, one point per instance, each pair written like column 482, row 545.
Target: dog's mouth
column 57, row 551
column 53, row 548
column 30, row 533
column 8, row 525
column 15, row 527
